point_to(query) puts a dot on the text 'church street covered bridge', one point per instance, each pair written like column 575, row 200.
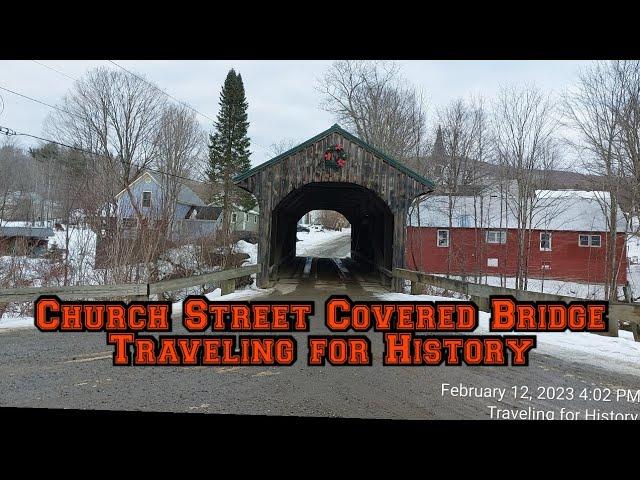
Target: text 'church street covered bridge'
column 334, row 171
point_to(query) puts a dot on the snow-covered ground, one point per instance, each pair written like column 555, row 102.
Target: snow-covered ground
column 621, row 353
column 245, row 294
column 250, row 249
column 10, row 323
column 555, row 287
column 312, row 242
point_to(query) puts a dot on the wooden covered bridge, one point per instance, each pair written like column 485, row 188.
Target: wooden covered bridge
column 334, row 171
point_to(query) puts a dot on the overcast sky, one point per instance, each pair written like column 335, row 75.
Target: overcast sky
column 283, row 103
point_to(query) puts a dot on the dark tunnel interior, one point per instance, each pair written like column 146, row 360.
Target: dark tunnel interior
column 370, row 218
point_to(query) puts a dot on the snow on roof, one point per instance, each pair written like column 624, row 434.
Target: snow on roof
column 569, row 210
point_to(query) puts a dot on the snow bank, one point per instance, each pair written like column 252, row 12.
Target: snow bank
column 10, row 323
column 620, row 354
column 246, row 294
column 250, row 249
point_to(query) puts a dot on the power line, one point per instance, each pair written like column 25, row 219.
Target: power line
column 53, row 69
column 8, row 131
column 148, row 83
column 160, row 90
column 39, row 101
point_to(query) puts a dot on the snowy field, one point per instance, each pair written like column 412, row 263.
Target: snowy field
column 620, row 354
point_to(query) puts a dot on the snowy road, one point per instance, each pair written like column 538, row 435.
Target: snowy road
column 75, row 371
column 324, row 244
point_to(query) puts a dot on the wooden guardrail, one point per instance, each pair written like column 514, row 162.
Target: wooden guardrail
column 479, row 293
column 73, row 293
column 139, row 291
column 227, row 277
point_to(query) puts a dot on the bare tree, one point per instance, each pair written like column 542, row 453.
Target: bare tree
column 116, row 115
column 595, row 108
column 180, row 144
column 332, row 220
column 526, row 150
column 278, row 148
column 373, row 100
column 628, row 73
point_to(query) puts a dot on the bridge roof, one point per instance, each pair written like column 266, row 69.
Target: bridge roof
column 337, row 129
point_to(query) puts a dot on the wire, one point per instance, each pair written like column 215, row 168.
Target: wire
column 2, row 101
column 148, row 83
column 53, row 69
column 160, row 90
column 39, row 101
column 13, row 132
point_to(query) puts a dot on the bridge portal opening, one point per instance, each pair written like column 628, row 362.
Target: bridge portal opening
column 371, row 220
column 323, row 234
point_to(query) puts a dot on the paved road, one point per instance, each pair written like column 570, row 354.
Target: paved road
column 75, row 371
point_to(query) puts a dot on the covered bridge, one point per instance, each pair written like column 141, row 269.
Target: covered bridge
column 334, row 171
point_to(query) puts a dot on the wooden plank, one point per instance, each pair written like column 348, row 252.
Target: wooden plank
column 215, row 277
column 617, row 311
column 74, row 292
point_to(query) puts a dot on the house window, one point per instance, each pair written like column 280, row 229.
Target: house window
column 589, row 240
column 234, row 217
column 146, row 199
column 255, row 219
column 443, row 238
column 496, row 236
column 545, row 242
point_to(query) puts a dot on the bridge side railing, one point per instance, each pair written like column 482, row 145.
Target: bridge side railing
column 480, row 293
column 226, row 278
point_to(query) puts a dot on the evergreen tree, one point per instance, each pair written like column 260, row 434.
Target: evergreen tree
column 229, row 147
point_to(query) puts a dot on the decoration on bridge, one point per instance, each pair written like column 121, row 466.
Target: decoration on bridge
column 335, row 157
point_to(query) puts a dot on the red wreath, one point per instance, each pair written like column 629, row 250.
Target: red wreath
column 335, row 157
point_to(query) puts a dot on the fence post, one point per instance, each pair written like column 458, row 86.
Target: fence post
column 417, row 288
column 481, row 302
column 613, row 327
column 635, row 328
column 144, row 298
column 228, row 286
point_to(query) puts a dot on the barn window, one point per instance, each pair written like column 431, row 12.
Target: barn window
column 146, row 199
column 589, row 240
column 443, row 238
column 496, row 236
column 546, row 266
column 545, row 242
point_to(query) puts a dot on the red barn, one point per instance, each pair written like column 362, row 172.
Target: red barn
column 568, row 238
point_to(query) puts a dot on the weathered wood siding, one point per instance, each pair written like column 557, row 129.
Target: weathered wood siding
column 274, row 182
